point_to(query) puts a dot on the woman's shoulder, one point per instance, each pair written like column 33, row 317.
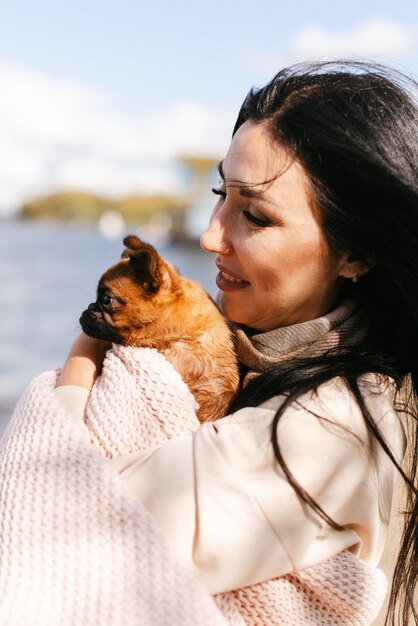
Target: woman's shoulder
column 377, row 390
column 331, row 405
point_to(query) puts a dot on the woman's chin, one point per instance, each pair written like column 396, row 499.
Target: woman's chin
column 231, row 311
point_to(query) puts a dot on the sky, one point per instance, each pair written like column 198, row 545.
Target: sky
column 104, row 96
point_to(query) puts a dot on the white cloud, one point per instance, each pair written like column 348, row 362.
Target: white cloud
column 18, row 164
column 380, row 38
column 55, row 135
column 116, row 178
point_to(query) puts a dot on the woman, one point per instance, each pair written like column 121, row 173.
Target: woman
column 315, row 232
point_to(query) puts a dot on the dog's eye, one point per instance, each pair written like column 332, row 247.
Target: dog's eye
column 107, row 300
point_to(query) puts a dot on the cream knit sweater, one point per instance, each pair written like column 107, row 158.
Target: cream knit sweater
column 76, row 548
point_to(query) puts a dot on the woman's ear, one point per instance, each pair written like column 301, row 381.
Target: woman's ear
column 353, row 270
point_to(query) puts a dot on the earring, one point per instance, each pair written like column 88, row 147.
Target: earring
column 354, row 278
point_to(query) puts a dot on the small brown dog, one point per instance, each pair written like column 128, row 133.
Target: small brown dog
column 143, row 301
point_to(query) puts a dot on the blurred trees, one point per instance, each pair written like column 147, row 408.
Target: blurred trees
column 86, row 207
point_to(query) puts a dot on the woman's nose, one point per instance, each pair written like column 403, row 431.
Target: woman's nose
column 214, row 240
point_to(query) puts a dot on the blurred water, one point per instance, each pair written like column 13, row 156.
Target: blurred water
column 48, row 275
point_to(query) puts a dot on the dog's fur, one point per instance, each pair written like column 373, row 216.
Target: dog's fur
column 143, row 301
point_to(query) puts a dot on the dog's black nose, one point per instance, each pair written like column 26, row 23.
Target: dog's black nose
column 92, row 306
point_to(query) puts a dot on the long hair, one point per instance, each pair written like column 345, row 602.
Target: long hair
column 354, row 128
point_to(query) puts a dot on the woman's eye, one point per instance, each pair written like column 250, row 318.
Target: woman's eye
column 258, row 221
column 219, row 192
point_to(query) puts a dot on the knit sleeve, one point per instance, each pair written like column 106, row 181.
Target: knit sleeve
column 217, row 491
column 73, row 400
column 231, row 515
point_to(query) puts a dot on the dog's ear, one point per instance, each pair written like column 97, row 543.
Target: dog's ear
column 132, row 243
column 145, row 261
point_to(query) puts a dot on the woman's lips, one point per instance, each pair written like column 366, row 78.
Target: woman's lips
column 228, row 282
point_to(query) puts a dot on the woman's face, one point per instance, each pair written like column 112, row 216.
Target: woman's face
column 275, row 268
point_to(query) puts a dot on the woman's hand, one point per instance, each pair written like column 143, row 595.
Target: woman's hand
column 84, row 362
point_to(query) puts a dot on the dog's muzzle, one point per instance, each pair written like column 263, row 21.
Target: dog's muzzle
column 91, row 320
column 94, row 325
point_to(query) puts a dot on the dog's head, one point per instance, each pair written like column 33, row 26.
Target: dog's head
column 131, row 294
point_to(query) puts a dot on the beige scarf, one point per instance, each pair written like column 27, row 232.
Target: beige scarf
column 344, row 326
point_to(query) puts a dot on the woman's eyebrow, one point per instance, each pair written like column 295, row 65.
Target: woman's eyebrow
column 245, row 191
